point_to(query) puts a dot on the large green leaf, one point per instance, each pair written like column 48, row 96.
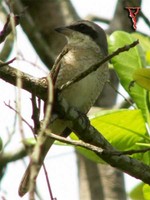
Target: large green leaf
column 122, row 128
column 125, row 64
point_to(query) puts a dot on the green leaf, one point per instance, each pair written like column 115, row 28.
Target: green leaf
column 146, row 192
column 125, row 64
column 145, row 43
column 142, row 77
column 137, row 192
column 122, row 128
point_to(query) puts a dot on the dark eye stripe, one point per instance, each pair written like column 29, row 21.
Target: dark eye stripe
column 83, row 28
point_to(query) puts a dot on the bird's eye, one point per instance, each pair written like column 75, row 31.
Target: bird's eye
column 82, row 26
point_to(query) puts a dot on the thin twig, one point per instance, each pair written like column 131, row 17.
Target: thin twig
column 35, row 118
column 8, row 27
column 93, row 147
column 2, row 64
column 55, row 69
column 127, row 100
column 74, row 142
column 35, row 114
column 9, row 106
column 36, row 156
column 48, row 183
column 97, row 65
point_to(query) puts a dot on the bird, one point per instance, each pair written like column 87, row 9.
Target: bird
column 86, row 45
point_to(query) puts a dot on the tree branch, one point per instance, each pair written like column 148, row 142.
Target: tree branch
column 29, row 83
column 12, row 156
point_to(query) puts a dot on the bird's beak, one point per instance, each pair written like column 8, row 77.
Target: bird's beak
column 64, row 30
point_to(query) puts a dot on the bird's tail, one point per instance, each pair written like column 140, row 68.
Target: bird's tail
column 24, row 185
column 25, row 182
column 45, row 142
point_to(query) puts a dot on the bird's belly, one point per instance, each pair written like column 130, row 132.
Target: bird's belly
column 84, row 93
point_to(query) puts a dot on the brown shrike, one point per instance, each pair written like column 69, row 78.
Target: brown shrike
column 87, row 45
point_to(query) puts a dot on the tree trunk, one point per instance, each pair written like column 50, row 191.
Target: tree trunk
column 99, row 182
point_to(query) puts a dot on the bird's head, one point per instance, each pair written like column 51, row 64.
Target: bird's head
column 85, row 32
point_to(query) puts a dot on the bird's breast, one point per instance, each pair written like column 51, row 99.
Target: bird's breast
column 84, row 93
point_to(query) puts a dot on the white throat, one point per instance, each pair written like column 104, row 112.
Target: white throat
column 81, row 40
